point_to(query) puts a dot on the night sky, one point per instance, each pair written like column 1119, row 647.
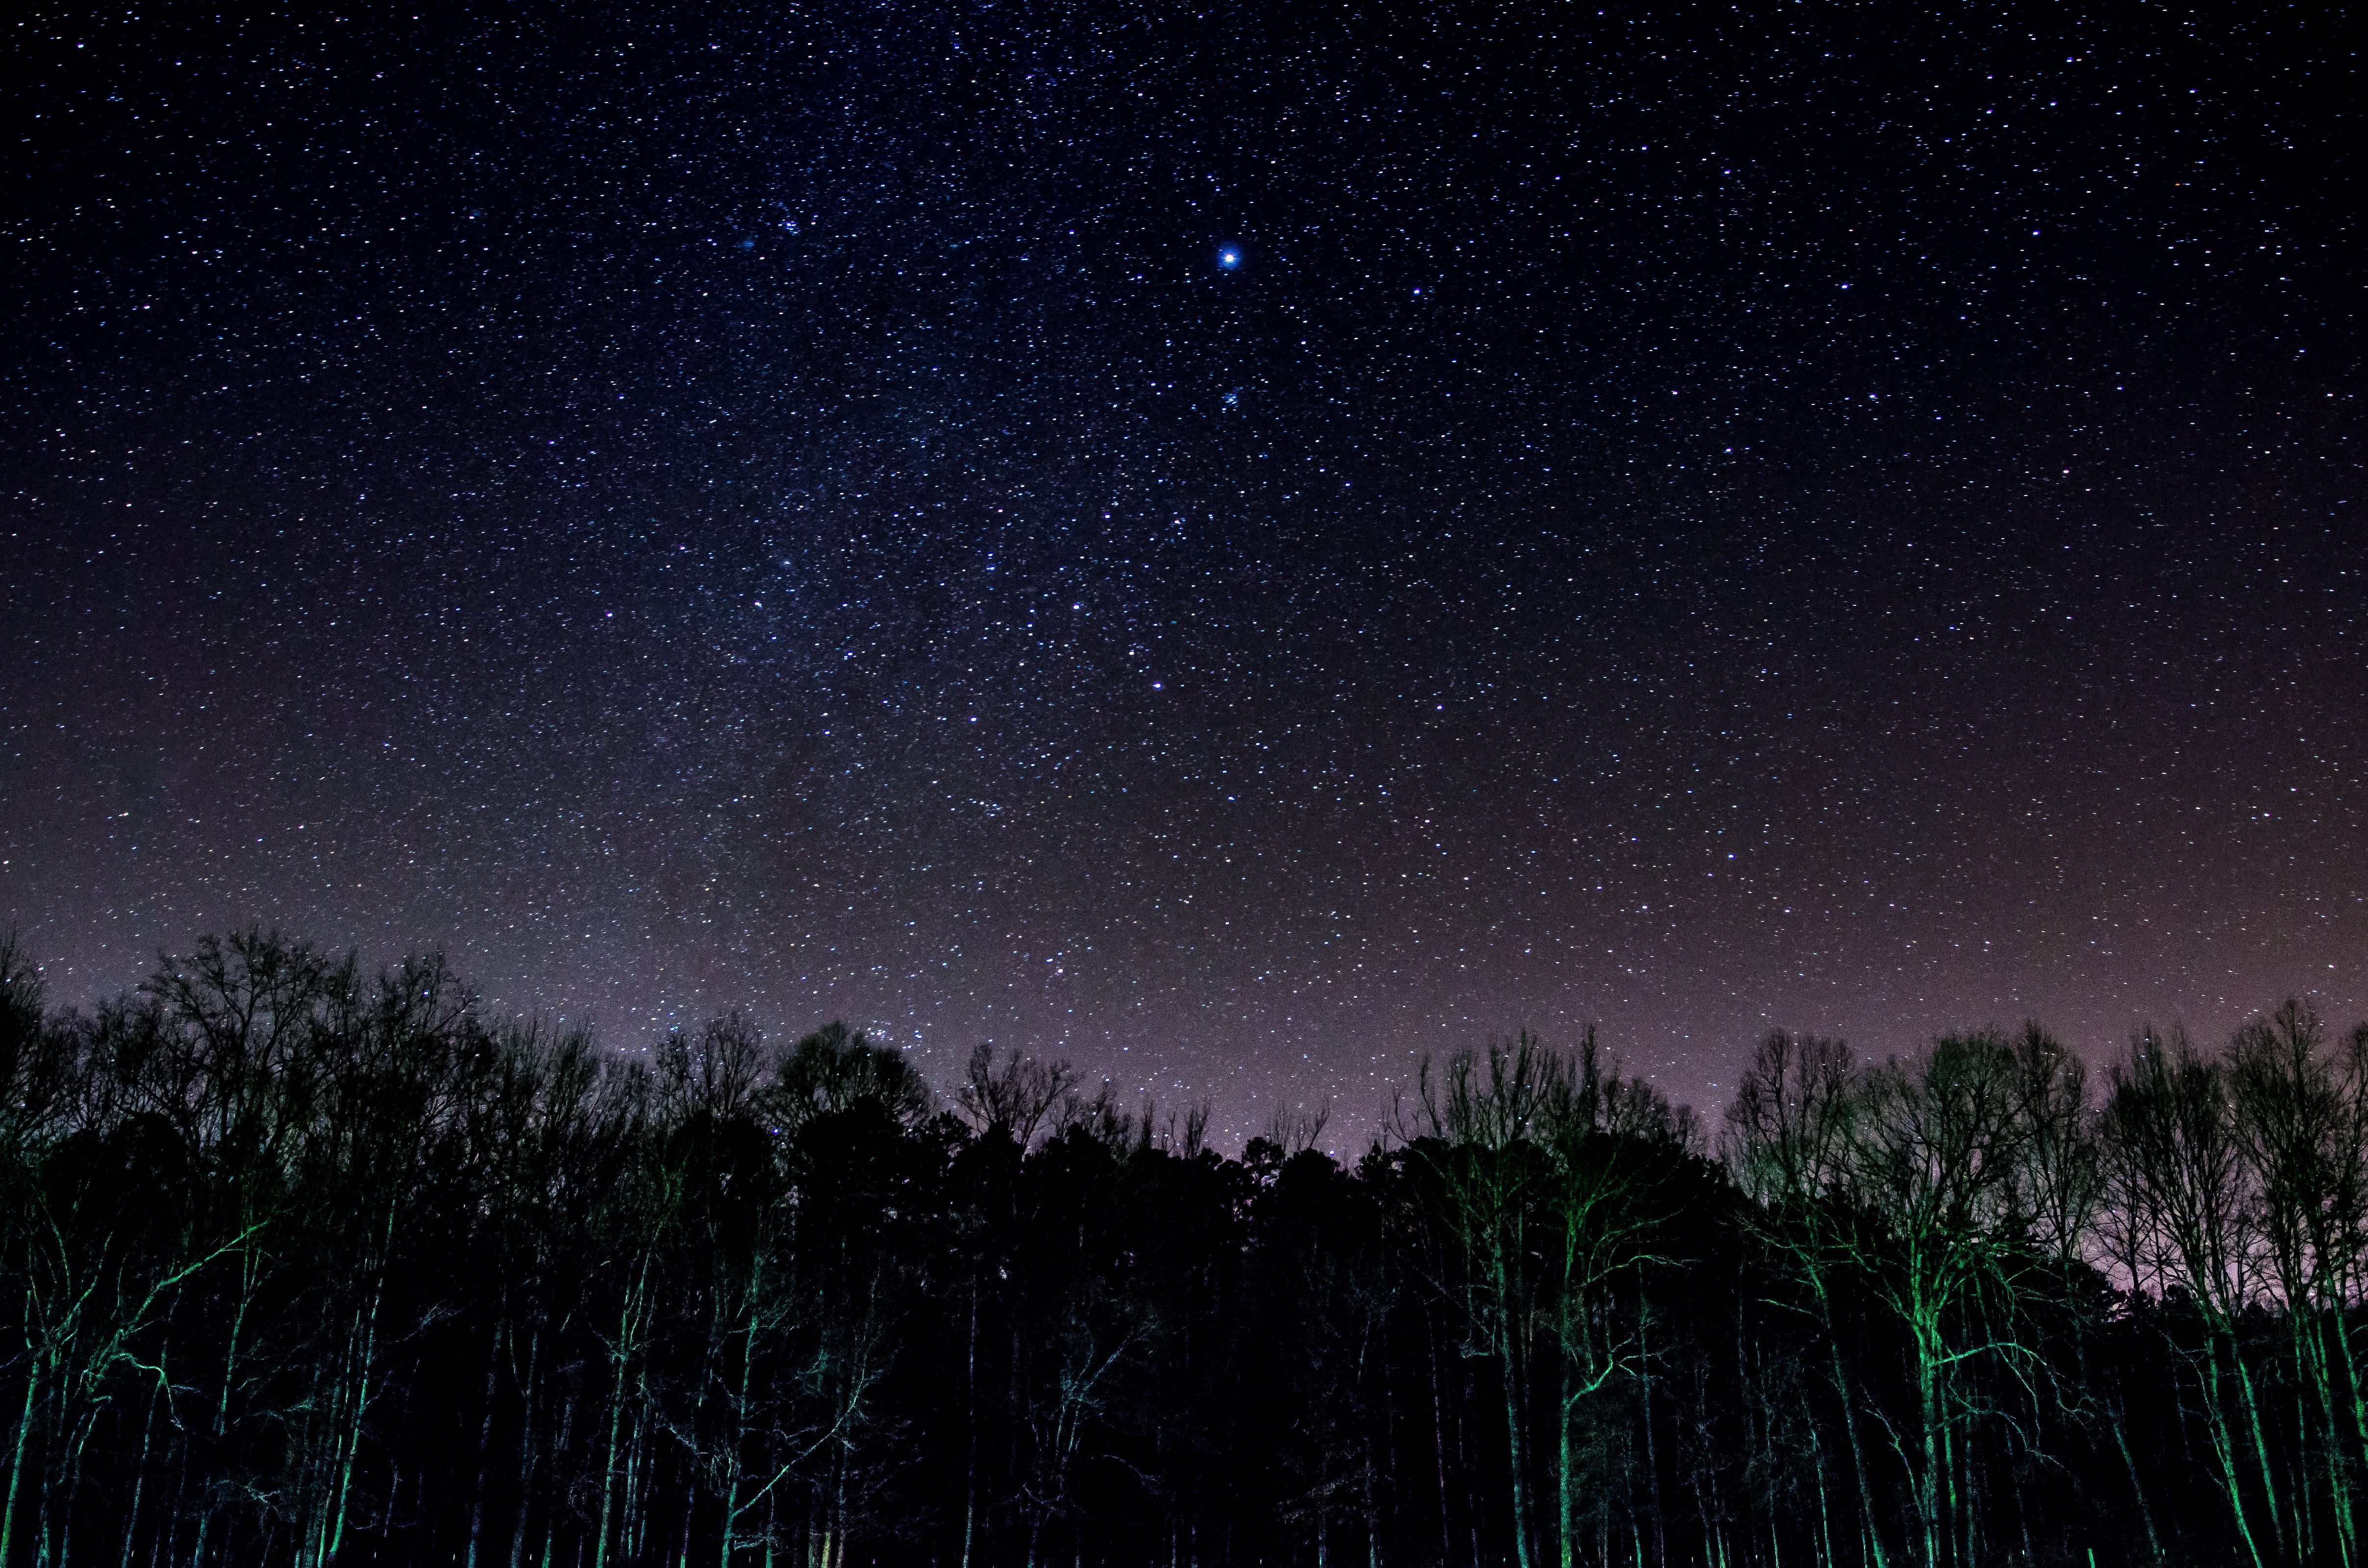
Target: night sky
column 1235, row 547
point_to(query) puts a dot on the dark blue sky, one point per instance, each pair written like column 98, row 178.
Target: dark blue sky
column 1698, row 521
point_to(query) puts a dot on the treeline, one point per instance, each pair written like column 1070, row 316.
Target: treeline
column 304, row 1266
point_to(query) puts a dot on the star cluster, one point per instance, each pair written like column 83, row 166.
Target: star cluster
column 1237, row 548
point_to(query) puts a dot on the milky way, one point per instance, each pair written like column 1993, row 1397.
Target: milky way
column 1236, row 550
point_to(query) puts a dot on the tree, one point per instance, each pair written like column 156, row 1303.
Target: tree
column 1611, row 1199
column 1940, row 1155
column 1019, row 1096
column 2181, row 1210
column 38, row 1073
column 2298, row 1125
column 1791, row 1131
column 1486, row 1116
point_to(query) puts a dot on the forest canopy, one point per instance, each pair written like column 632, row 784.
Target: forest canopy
column 307, row 1265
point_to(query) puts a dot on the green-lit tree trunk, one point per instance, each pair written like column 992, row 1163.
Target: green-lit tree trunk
column 732, row 1476
column 139, row 1477
column 1870, row 1526
column 1508, row 1359
column 1825, row 1500
column 2224, row 1447
column 354, row 1399
column 2117, row 1418
column 748, row 1329
column 2355, row 1405
column 622, row 1350
column 33, row 1367
column 1931, row 1444
column 1566, row 1481
column 2319, row 1434
column 2251, row 1405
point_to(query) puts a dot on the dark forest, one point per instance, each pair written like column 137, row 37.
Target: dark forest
column 309, row 1265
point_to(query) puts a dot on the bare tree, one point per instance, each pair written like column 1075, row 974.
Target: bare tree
column 2182, row 1215
column 1790, row 1138
column 2299, row 1133
column 1486, row 1116
column 1939, row 1154
column 1019, row 1096
column 1612, row 1140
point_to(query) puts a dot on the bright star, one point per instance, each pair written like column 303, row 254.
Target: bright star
column 1229, row 257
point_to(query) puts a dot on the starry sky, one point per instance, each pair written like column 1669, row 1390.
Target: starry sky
column 1236, row 547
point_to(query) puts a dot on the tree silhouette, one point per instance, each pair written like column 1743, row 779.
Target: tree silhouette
column 305, row 1264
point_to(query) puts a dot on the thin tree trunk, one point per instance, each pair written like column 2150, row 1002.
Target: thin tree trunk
column 139, row 1480
column 2311, row 1347
column 969, row 1479
column 1652, row 1450
column 2224, row 1447
column 739, row 1422
column 1566, row 1484
column 1868, row 1525
column 351, row 1435
column 484, row 1443
column 628, row 1331
column 1438, row 1436
column 2260, row 1444
column 1524, row 1552
column 2117, row 1416
column 24, row 1430
column 248, row 1264
column 2356, row 1409
column 525, row 1446
column 1519, row 1459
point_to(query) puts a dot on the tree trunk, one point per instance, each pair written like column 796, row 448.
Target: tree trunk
column 525, row 1446
column 2224, row 1447
column 484, row 1444
column 970, row 1478
column 17, row 1457
column 1868, row 1525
